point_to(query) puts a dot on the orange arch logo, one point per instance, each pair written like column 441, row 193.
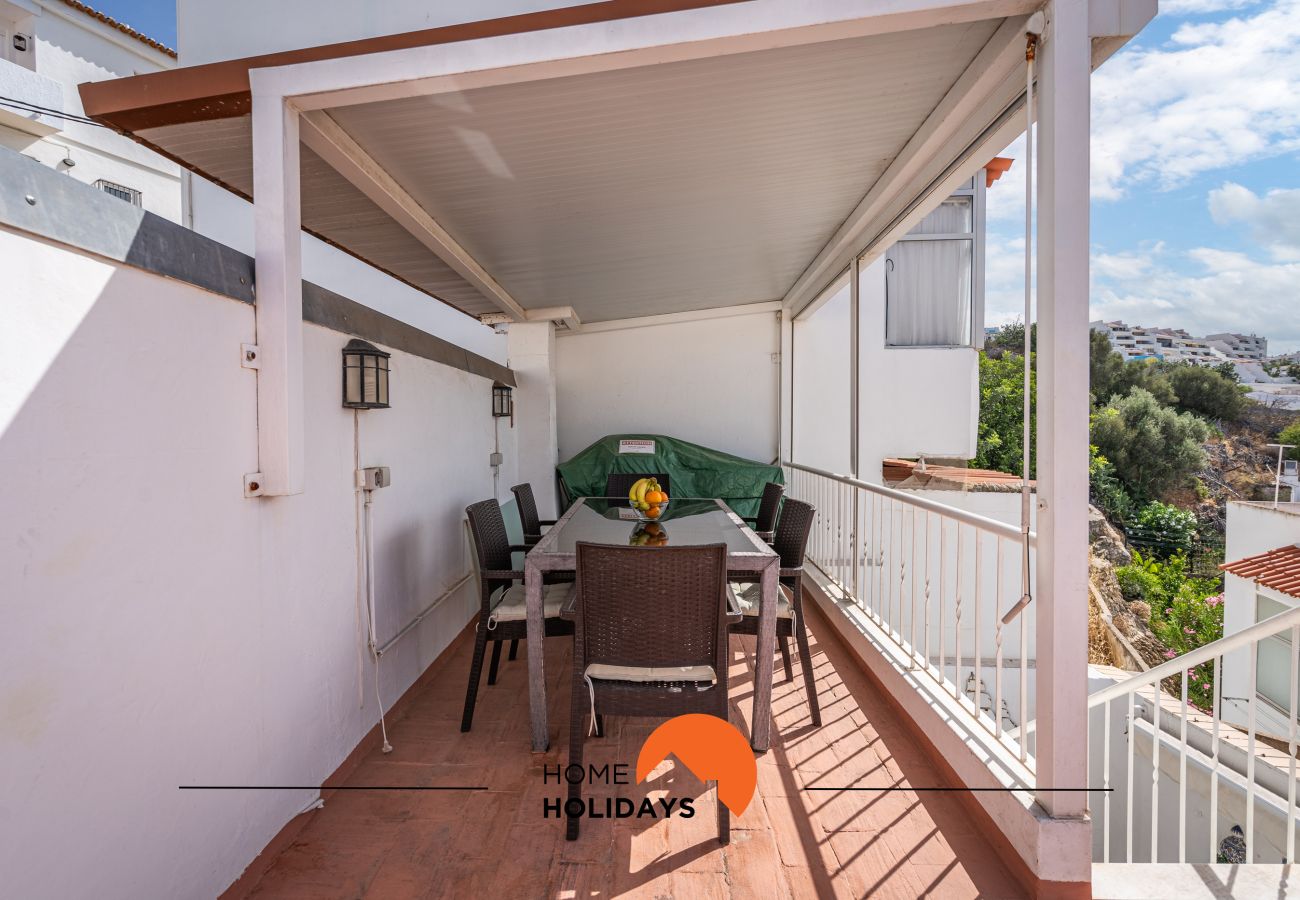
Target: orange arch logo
column 712, row 748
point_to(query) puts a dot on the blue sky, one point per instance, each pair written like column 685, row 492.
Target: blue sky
column 156, row 18
column 1196, row 177
column 1196, row 172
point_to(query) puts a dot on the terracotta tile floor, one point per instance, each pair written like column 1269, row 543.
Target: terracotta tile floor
column 495, row 844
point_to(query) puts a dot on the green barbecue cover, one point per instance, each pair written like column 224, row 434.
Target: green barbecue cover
column 692, row 470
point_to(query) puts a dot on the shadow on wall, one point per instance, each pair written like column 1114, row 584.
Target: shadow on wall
column 174, row 632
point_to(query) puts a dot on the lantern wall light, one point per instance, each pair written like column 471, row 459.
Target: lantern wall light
column 503, row 403
column 365, row 376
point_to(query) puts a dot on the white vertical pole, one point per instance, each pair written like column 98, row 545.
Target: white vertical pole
column 1064, row 67
column 785, row 385
column 277, row 232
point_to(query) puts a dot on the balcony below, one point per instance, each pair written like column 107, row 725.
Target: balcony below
column 792, row 841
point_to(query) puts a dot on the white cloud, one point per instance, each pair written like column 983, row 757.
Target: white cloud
column 1273, row 219
column 1200, row 7
column 1219, row 94
column 1218, row 291
column 1204, row 290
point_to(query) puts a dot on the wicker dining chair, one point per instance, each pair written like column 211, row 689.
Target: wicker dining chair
column 650, row 641
column 503, row 612
column 619, row 483
column 764, row 524
column 790, row 541
column 527, row 507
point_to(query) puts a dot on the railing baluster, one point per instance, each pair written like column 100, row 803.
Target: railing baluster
column 1132, row 788
column 997, row 642
column 1182, row 779
column 911, row 649
column 1291, row 745
column 1155, row 774
column 926, row 626
column 1025, row 717
column 943, row 594
column 1105, row 781
column 956, row 681
column 979, row 622
column 1214, row 762
column 1250, row 755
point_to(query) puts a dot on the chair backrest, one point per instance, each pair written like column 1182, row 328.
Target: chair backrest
column 619, row 483
column 488, row 533
column 792, row 529
column 652, row 607
column 528, row 518
column 769, row 506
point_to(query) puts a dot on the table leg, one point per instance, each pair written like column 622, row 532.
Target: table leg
column 536, row 655
column 761, row 738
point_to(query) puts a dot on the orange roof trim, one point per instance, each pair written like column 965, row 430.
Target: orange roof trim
column 996, row 168
column 220, row 90
column 907, row 473
column 1277, row 569
column 122, row 27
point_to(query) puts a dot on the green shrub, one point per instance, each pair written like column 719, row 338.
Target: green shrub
column 1108, row 493
column 1186, row 613
column 1152, row 447
column 1002, row 395
column 1165, row 527
column 1291, row 435
column 1206, row 392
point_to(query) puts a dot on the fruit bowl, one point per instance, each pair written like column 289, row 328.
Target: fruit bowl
column 653, row 514
column 647, row 500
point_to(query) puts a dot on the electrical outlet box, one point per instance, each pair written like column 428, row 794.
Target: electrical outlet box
column 374, row 477
column 495, row 460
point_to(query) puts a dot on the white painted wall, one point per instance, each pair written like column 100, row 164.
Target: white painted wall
column 1253, row 528
column 159, row 628
column 915, row 400
column 821, row 410
column 71, row 48
column 233, row 29
column 711, row 381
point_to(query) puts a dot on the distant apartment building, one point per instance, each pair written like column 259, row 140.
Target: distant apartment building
column 1239, row 346
column 1132, row 342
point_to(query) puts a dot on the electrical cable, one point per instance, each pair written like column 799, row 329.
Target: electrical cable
column 24, row 106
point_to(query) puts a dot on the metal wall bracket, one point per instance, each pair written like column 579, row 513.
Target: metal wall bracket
column 253, row 484
column 249, row 357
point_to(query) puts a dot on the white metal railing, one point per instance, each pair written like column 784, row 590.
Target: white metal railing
column 944, row 585
column 1226, row 760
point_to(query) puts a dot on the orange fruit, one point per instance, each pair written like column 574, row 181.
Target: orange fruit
column 654, row 498
column 653, row 512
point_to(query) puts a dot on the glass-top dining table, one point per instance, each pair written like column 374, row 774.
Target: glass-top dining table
column 685, row 522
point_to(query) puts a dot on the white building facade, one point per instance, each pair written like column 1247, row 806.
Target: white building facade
column 50, row 47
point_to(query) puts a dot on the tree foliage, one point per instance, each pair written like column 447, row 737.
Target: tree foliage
column 1001, row 436
column 1206, row 392
column 1152, row 447
column 1291, row 435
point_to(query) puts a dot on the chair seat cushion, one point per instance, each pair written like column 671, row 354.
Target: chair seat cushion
column 509, row 605
column 748, row 593
column 642, row 674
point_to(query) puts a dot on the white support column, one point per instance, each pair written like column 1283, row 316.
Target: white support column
column 531, row 351
column 278, row 240
column 1061, row 608
column 786, row 386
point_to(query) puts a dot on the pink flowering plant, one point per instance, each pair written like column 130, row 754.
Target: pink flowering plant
column 1186, row 612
